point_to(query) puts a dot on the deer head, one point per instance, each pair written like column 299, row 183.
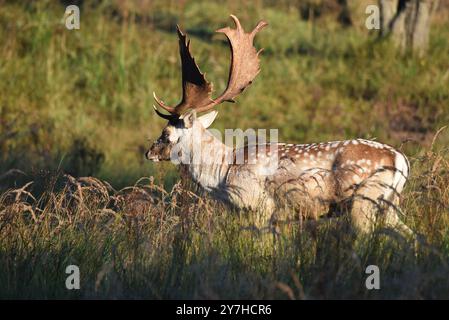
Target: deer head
column 196, row 90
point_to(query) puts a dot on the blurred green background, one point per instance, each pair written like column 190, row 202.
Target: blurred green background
column 80, row 100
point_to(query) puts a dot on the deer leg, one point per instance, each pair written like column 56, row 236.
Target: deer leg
column 363, row 216
column 393, row 221
column 372, row 201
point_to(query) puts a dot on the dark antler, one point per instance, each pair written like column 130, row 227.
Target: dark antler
column 196, row 89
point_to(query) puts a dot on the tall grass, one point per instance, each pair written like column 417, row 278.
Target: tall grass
column 87, row 94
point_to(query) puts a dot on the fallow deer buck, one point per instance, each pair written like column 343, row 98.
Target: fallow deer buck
column 359, row 175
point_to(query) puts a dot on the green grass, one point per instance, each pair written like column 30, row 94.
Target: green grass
column 80, row 102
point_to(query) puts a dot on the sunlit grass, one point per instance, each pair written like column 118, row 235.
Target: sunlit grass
column 146, row 242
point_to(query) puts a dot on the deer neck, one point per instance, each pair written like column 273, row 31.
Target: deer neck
column 207, row 159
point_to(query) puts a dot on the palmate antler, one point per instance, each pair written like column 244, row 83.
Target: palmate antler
column 196, row 90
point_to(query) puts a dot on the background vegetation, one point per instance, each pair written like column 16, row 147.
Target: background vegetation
column 79, row 103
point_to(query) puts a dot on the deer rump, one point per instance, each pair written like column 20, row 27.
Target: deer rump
column 363, row 175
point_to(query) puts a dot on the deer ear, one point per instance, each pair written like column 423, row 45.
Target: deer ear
column 189, row 118
column 207, row 119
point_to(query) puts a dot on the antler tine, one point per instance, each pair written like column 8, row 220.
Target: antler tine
column 236, row 20
column 164, row 116
column 260, row 25
column 245, row 64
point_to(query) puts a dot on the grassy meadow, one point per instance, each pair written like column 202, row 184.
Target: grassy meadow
column 75, row 119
